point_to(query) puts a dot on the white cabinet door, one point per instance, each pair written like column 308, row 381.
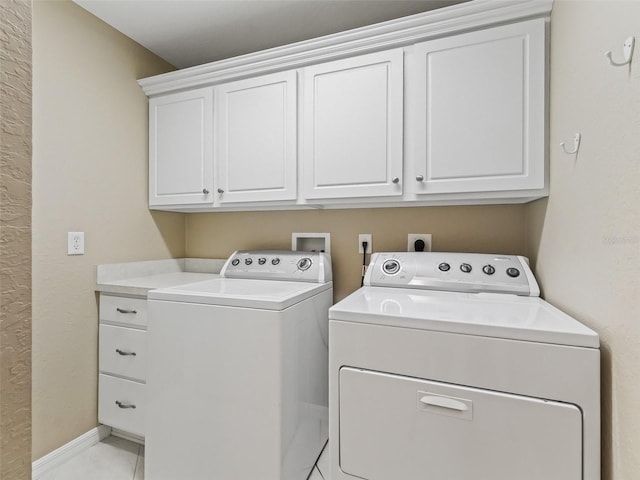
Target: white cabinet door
column 476, row 111
column 181, row 148
column 352, row 127
column 257, row 139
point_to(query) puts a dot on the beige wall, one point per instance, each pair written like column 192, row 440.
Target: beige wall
column 90, row 174
column 473, row 229
column 586, row 238
column 15, row 240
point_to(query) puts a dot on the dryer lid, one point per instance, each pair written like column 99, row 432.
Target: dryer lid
column 483, row 314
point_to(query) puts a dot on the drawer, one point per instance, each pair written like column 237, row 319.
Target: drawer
column 123, row 352
column 121, row 404
column 123, row 310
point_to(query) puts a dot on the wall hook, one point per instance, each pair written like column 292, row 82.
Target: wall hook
column 627, row 53
column 576, row 145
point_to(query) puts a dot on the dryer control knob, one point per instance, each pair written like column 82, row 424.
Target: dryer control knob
column 391, row 267
column 248, row 261
column 235, row 262
column 513, row 272
column 466, row 268
column 489, row 269
column 262, row 260
column 304, row 263
column 275, row 261
column 444, row 267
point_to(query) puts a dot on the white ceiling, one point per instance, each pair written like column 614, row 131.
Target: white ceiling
column 192, row 32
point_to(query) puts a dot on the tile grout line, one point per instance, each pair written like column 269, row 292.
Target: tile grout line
column 135, row 468
column 322, row 452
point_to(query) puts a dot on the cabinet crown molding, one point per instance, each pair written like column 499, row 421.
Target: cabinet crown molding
column 472, row 15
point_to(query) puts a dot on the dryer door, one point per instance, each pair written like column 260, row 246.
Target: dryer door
column 405, row 428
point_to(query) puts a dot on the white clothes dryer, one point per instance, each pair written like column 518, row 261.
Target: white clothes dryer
column 449, row 366
column 237, row 376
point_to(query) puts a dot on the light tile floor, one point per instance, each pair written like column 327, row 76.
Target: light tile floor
column 118, row 459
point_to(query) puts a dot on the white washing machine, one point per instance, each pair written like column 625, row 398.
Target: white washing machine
column 449, row 366
column 237, row 376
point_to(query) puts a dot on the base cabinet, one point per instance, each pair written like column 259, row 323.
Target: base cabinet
column 122, row 363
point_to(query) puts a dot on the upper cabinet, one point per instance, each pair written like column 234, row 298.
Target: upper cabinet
column 444, row 107
column 476, row 110
column 181, row 148
column 352, row 127
column 256, row 125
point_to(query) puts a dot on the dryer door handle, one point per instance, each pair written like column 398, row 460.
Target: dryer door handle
column 444, row 402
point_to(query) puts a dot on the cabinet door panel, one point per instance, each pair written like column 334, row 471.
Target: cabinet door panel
column 181, row 148
column 257, row 139
column 478, row 113
column 353, row 127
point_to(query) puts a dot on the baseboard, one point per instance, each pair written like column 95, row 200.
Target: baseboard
column 68, row 451
column 127, row 436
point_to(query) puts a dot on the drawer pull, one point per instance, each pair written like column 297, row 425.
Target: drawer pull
column 124, row 405
column 444, row 402
column 124, row 310
column 123, row 353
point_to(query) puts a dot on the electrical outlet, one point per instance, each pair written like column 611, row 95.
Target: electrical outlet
column 411, row 241
column 75, row 243
column 364, row 237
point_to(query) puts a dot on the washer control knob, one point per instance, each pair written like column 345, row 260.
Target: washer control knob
column 489, row 269
column 275, row 261
column 391, row 267
column 304, row 263
column 235, row 262
column 262, row 260
column 513, row 272
column 444, row 267
column 248, row 261
column 466, row 268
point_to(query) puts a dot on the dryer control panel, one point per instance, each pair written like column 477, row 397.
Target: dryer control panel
column 279, row 265
column 454, row 272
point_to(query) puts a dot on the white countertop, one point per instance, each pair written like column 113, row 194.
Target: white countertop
column 137, row 278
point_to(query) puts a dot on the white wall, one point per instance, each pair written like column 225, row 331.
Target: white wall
column 585, row 239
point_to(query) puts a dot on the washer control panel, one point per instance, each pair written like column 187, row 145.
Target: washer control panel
column 455, row 272
column 279, row 265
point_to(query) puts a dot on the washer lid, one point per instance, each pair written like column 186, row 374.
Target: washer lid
column 483, row 314
column 247, row 293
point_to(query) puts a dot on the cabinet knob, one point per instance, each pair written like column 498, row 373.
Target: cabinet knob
column 220, row 191
column 205, row 191
column 419, row 178
column 395, row 180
